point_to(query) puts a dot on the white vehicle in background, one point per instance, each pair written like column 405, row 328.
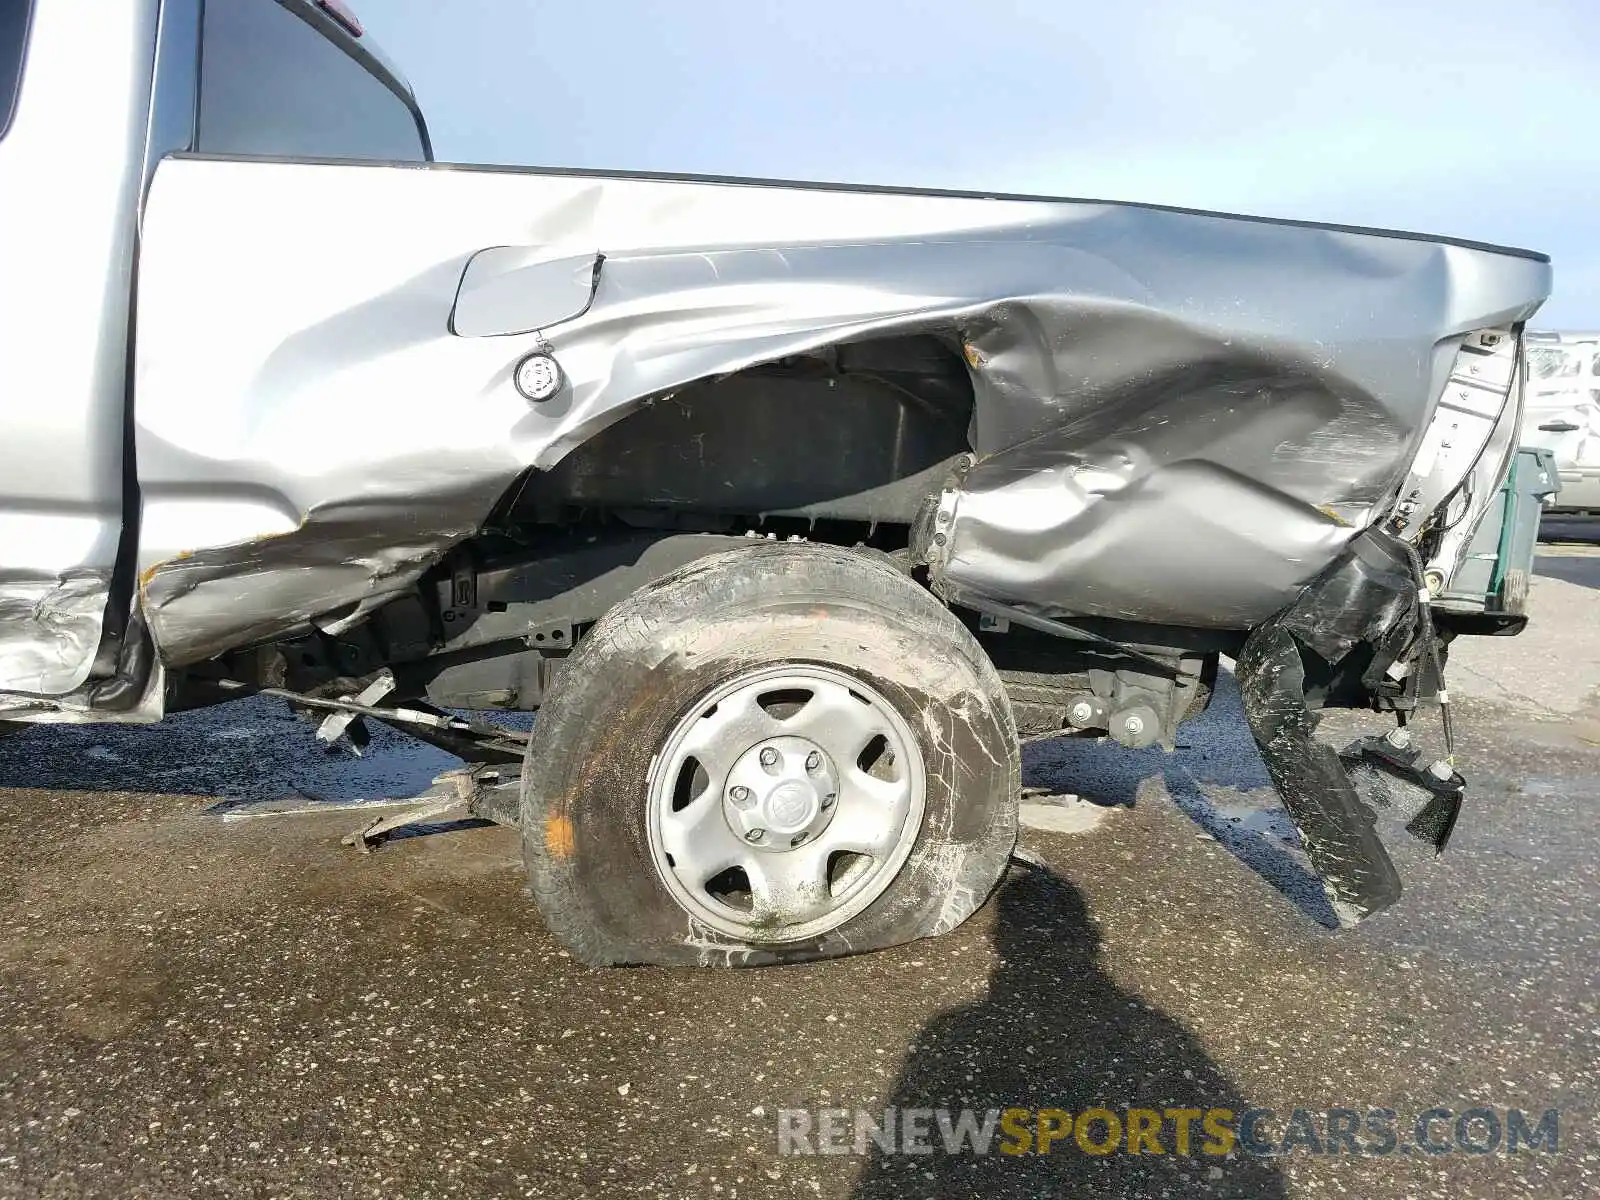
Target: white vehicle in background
column 1563, row 413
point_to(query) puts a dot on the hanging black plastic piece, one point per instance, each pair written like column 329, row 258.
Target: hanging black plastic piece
column 1353, row 635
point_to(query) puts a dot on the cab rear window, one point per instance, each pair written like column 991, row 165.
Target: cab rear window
column 273, row 85
column 13, row 48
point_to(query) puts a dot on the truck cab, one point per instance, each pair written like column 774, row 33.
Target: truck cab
column 92, row 98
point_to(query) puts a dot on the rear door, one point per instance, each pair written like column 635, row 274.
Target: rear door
column 90, row 105
column 74, row 109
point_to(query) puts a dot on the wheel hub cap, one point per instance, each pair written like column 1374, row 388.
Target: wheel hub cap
column 791, row 805
column 784, row 802
column 781, row 793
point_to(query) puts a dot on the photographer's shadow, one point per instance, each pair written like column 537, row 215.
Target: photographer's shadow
column 1054, row 1031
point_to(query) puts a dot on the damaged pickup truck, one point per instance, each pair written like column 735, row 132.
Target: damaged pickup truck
column 793, row 509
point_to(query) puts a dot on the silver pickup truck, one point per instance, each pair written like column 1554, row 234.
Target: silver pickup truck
column 792, row 508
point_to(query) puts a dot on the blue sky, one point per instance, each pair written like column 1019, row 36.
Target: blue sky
column 1467, row 118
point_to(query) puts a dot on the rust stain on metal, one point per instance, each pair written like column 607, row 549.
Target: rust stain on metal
column 149, row 573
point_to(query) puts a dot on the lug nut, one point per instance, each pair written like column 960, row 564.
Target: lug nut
column 827, row 801
column 755, row 835
column 797, row 839
column 769, row 757
column 739, row 794
column 813, row 761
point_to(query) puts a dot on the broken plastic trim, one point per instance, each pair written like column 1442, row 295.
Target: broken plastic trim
column 1342, row 634
column 1336, row 827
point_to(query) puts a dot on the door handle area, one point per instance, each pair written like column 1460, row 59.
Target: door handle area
column 1558, row 427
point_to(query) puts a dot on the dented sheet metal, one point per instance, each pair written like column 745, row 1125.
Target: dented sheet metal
column 49, row 630
column 1179, row 417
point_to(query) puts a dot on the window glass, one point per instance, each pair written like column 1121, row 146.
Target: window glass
column 272, row 84
column 177, row 70
column 13, row 45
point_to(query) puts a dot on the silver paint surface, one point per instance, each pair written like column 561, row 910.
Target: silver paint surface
column 70, row 174
column 1180, row 417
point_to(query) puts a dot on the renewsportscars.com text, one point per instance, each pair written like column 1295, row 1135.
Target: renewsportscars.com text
column 1184, row 1132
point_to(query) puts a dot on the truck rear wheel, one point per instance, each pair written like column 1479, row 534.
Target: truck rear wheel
column 782, row 753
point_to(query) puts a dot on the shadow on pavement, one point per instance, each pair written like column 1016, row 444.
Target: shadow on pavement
column 1055, row 1031
column 1581, row 569
column 245, row 750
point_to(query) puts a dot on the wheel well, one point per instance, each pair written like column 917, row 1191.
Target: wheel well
column 855, row 432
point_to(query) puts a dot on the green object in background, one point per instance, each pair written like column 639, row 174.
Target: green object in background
column 1493, row 576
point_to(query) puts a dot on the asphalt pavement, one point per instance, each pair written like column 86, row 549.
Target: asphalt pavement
column 199, row 999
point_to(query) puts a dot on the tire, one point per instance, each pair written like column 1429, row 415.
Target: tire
column 598, row 830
